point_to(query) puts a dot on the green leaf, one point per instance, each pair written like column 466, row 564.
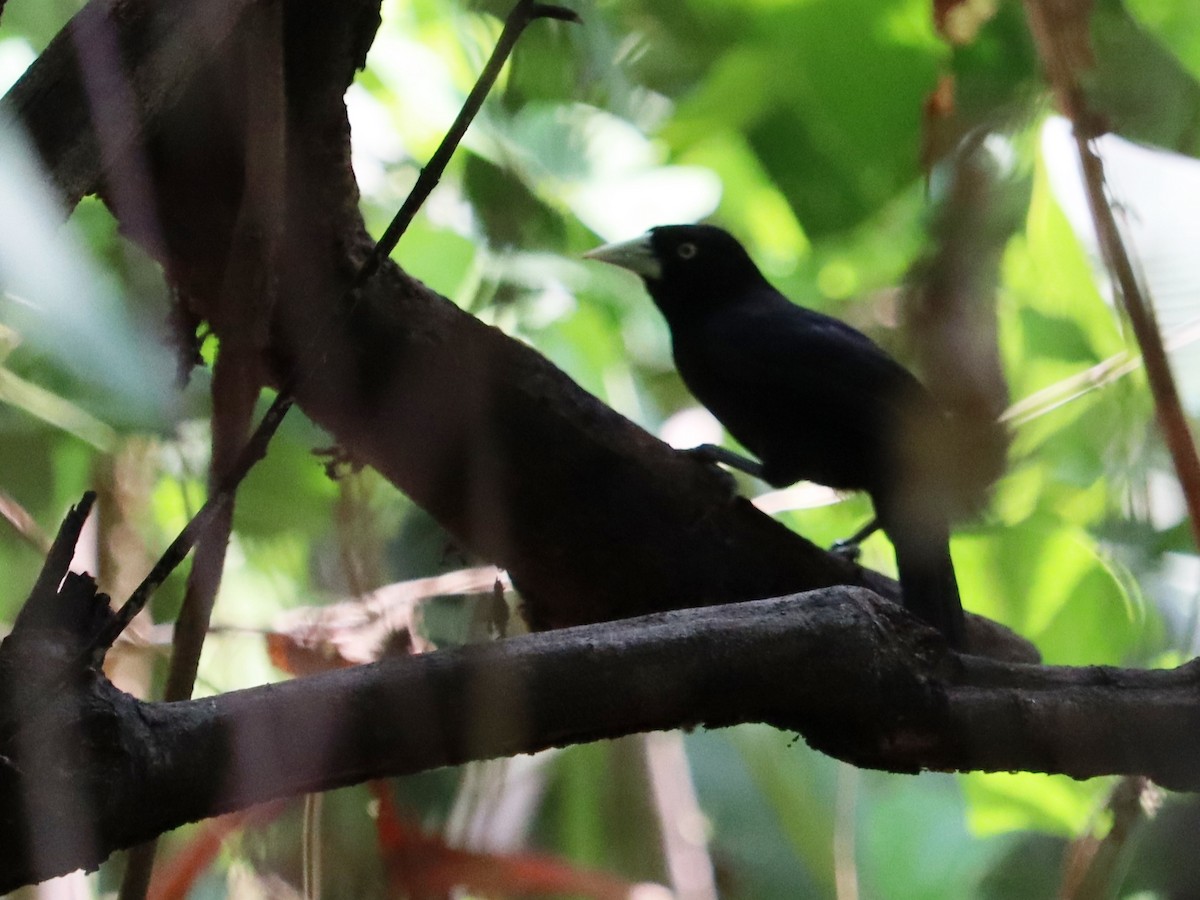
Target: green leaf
column 56, row 411
column 1018, row 801
column 1139, row 86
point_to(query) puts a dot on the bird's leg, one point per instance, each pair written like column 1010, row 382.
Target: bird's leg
column 711, row 453
column 849, row 548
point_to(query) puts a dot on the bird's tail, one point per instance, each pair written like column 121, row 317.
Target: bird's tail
column 928, row 586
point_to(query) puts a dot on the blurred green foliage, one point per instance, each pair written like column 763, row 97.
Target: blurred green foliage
column 801, row 127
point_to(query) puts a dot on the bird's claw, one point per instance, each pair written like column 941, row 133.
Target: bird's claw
column 848, row 550
column 724, row 478
column 703, row 453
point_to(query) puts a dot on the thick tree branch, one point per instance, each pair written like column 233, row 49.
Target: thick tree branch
column 594, row 518
column 851, row 672
column 115, row 68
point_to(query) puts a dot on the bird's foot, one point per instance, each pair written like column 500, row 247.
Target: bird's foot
column 728, row 484
column 705, row 453
column 711, row 453
column 849, row 549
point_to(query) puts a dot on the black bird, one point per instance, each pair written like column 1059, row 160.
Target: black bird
column 811, row 397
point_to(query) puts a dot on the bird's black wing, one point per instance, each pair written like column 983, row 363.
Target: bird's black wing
column 812, row 397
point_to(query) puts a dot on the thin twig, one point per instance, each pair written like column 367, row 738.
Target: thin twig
column 255, row 449
column 1057, row 37
column 524, row 13
column 1101, row 375
column 1167, row 404
column 23, row 524
column 1095, row 866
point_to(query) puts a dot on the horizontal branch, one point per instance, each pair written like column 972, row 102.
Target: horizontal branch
column 93, row 770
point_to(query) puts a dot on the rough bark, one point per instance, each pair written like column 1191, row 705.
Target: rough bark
column 86, row 770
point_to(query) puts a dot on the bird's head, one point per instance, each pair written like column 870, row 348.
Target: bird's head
column 684, row 264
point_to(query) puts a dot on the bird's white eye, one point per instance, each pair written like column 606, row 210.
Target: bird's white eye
column 686, row 251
